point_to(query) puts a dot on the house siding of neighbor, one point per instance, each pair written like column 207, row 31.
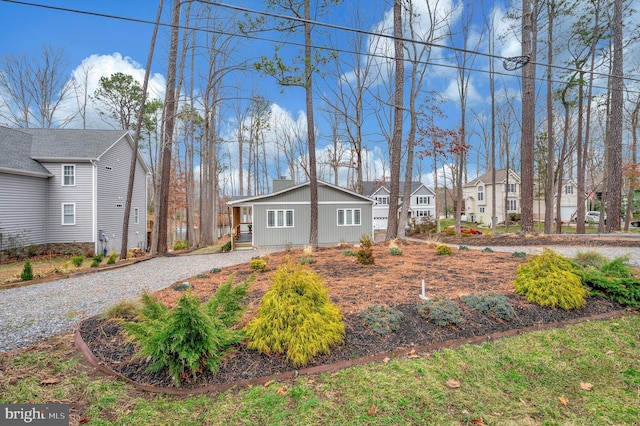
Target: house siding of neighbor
column 422, row 203
column 477, row 195
column 568, row 202
column 58, row 186
column 283, row 218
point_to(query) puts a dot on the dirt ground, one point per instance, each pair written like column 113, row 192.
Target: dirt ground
column 392, row 280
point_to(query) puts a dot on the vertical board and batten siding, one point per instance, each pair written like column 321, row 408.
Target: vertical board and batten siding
column 23, row 211
column 80, row 194
column 111, row 198
column 329, row 201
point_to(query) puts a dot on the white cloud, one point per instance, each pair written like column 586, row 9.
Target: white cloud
column 87, row 76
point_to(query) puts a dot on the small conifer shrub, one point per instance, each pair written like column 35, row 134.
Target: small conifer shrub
column 215, row 270
column 349, row 253
column 493, row 304
column 519, row 254
column 443, row 250
column 27, row 272
column 463, row 248
column 307, row 260
column 615, row 280
column 395, row 251
column 113, row 257
column 365, row 254
column 382, row 319
column 487, row 250
column 203, row 276
column 550, row 280
column 296, row 317
column 441, row 311
column 181, row 245
column 77, row 261
column 258, row 265
column 183, row 286
column 226, row 247
column 227, row 304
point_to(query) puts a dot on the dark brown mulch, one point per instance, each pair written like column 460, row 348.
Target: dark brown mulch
column 106, row 340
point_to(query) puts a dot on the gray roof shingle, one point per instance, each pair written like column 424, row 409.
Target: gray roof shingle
column 15, row 152
column 71, row 143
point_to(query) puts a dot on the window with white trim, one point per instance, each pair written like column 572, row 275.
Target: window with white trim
column 423, row 213
column 279, row 218
column 568, row 189
column 512, row 188
column 68, row 213
column 136, row 216
column 349, row 217
column 512, row 205
column 68, row 175
column 382, row 200
column 480, row 193
column 424, row 200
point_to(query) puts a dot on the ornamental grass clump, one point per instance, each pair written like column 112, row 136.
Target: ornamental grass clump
column 551, row 280
column 189, row 337
column 296, row 317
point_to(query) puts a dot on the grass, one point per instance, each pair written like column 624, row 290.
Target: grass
column 11, row 271
column 533, row 378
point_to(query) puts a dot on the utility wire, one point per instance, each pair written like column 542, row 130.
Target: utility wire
column 333, row 26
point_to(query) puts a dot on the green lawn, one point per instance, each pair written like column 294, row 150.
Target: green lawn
column 583, row 374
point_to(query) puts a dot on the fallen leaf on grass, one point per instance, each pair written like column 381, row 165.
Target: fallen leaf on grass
column 281, row 391
column 412, row 352
column 83, row 420
column 498, row 414
column 453, row 384
column 586, row 386
column 564, row 401
column 372, row 411
column 386, row 359
column 266, row 385
column 49, row 381
column 478, row 422
column 609, row 353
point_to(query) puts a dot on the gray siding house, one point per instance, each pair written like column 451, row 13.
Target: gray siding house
column 68, row 188
column 422, row 202
column 282, row 217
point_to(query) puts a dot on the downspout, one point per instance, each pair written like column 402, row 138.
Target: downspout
column 94, row 206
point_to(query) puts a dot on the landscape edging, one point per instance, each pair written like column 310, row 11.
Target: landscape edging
column 329, row 368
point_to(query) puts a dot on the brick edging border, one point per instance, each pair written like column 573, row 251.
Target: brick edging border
column 328, row 368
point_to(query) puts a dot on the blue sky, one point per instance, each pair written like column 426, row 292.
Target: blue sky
column 111, row 45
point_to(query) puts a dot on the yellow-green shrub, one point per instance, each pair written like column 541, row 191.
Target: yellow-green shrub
column 258, row 265
column 550, row 280
column 296, row 317
column 443, row 250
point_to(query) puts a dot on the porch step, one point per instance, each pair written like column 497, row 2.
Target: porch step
column 243, row 246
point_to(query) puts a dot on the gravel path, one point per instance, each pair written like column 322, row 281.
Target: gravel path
column 35, row 312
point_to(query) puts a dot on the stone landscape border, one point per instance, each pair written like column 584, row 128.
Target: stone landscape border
column 330, row 368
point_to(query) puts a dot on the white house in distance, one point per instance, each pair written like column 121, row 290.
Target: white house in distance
column 422, row 203
column 477, row 195
column 568, row 201
column 67, row 188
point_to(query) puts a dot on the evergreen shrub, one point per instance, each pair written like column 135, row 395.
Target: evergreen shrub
column 77, row 261
column 296, row 317
column 113, row 257
column 441, row 311
column 258, row 265
column 551, row 280
column 365, row 254
column 493, row 304
column 27, row 272
column 615, row 280
column 382, row 319
column 443, row 250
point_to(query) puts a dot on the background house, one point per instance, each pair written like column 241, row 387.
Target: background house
column 282, row 217
column 477, row 196
column 422, row 203
column 67, row 189
column 568, row 202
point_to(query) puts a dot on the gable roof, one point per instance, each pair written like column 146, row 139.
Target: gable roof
column 71, row 144
column 15, row 147
column 370, row 187
column 243, row 200
column 501, row 176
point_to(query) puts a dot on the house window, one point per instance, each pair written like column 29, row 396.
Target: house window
column 69, row 214
column 136, row 216
column 423, row 213
column 511, row 205
column 424, row 200
column 481, row 193
column 512, row 188
column 481, row 209
column 382, row 200
column 279, row 218
column 348, row 217
column 68, row 175
column 568, row 189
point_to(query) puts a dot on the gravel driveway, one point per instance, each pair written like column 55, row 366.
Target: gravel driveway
column 35, row 312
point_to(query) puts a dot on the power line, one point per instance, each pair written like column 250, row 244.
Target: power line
column 333, row 26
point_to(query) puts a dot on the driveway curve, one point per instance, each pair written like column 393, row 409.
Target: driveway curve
column 36, row 312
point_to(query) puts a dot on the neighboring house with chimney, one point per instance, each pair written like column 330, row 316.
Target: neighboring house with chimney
column 67, row 189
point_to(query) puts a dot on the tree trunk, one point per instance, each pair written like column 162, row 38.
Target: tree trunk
column 528, row 120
